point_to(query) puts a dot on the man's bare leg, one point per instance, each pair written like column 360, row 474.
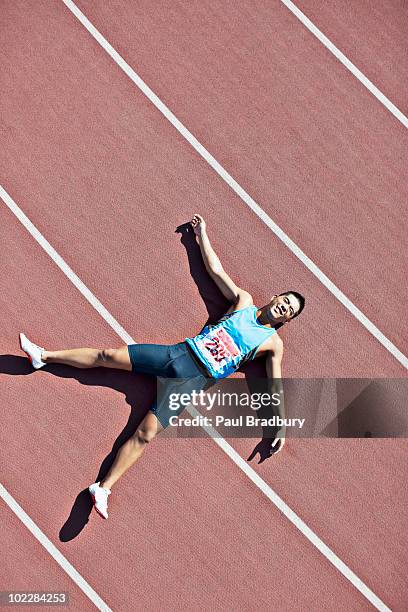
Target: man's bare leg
column 91, row 358
column 132, row 450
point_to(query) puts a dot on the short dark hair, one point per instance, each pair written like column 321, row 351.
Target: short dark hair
column 300, row 299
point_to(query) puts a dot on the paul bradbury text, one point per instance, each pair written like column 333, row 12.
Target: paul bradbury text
column 240, row 421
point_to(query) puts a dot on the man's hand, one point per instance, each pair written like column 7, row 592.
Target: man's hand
column 198, row 224
column 278, row 443
column 266, row 448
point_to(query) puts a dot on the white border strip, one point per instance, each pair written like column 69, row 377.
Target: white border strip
column 356, row 312
column 54, row 552
column 346, row 62
column 223, row 444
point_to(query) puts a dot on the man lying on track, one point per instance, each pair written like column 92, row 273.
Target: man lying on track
column 243, row 333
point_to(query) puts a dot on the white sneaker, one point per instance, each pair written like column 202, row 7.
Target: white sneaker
column 100, row 499
column 32, row 351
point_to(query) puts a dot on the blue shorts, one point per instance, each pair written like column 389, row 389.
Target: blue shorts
column 173, row 361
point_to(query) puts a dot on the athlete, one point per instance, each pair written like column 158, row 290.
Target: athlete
column 243, row 333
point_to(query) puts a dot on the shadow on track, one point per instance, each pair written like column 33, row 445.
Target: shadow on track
column 139, row 392
column 214, row 301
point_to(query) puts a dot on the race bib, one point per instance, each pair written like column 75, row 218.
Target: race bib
column 219, row 348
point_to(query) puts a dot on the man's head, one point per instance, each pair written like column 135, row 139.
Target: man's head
column 285, row 307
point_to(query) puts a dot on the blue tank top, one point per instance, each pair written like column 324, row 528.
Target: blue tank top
column 228, row 343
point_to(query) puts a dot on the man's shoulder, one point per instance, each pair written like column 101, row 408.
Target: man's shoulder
column 272, row 346
column 276, row 344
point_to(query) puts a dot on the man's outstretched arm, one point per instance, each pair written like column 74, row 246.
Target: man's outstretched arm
column 226, row 285
column 274, row 374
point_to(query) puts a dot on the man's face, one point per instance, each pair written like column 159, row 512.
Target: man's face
column 283, row 307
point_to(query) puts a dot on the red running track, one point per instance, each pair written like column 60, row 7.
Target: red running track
column 291, row 124
column 107, row 179
column 372, row 36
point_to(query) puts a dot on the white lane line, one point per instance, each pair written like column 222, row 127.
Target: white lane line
column 53, row 550
column 356, row 312
column 62, row 264
column 292, row 516
column 223, row 444
column 346, row 62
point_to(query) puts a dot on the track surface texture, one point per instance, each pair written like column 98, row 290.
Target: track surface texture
column 107, row 180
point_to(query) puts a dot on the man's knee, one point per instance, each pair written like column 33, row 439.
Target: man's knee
column 145, row 435
column 115, row 358
column 106, row 355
